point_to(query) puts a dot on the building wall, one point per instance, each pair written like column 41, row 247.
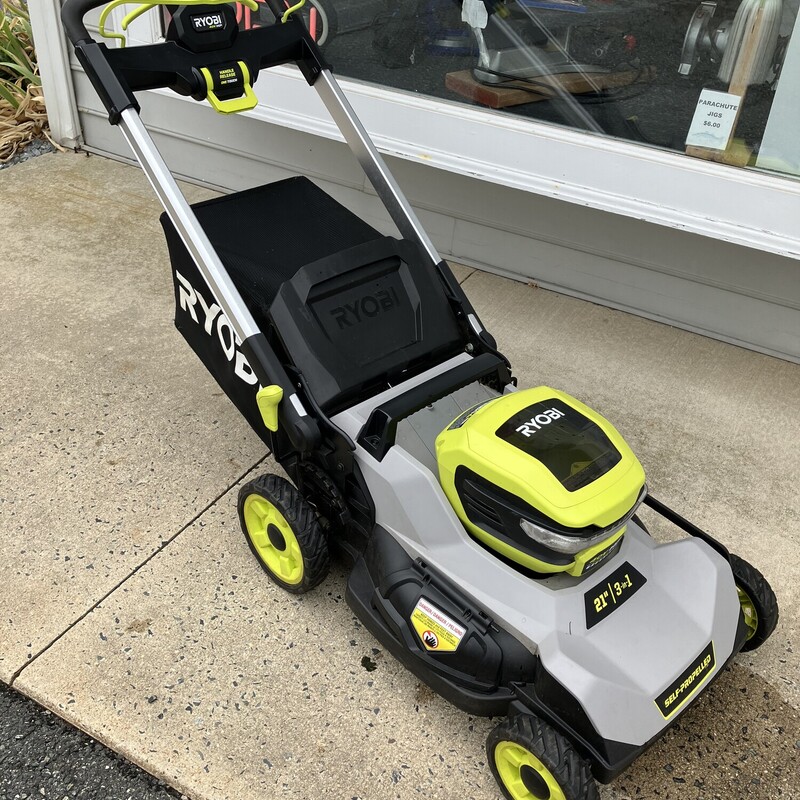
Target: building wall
column 728, row 291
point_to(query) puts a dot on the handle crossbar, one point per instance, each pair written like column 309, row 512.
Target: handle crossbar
column 212, row 70
column 145, row 7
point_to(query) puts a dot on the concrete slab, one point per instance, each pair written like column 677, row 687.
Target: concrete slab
column 211, row 678
column 460, row 271
column 206, row 674
column 199, row 669
column 113, row 435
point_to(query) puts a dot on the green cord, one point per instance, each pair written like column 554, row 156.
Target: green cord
column 290, row 11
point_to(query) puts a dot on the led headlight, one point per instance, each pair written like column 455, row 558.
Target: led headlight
column 571, row 545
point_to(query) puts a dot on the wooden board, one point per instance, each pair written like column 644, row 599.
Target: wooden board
column 517, row 93
column 736, row 153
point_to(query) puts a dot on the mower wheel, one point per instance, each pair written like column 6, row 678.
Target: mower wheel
column 532, row 761
column 283, row 533
column 758, row 601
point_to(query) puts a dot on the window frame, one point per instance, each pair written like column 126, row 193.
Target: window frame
column 755, row 209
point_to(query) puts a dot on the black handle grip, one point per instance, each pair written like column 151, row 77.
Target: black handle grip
column 174, row 64
column 72, row 14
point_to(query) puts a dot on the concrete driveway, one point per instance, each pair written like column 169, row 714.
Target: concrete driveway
column 131, row 604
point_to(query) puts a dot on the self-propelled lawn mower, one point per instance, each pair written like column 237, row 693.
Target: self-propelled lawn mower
column 491, row 531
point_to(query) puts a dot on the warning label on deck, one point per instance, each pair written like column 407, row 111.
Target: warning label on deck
column 435, row 629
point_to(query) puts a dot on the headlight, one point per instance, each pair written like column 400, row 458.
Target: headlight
column 572, row 545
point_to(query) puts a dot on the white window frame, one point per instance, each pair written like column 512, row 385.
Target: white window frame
column 745, row 207
column 52, row 51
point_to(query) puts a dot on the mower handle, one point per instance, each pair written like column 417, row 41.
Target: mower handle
column 118, row 73
column 73, row 12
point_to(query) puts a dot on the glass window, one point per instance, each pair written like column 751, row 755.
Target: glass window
column 717, row 79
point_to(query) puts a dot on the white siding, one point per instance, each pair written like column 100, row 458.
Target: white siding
column 725, row 290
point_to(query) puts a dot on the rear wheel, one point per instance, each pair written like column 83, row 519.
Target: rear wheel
column 283, row 533
column 758, row 602
column 532, row 761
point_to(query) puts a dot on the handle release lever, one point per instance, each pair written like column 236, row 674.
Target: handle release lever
column 229, row 87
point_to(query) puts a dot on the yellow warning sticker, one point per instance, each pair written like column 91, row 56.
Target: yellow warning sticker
column 435, row 629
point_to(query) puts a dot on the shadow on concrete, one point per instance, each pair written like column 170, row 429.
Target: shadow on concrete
column 739, row 740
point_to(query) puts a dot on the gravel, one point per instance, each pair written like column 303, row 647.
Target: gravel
column 41, row 756
column 38, row 147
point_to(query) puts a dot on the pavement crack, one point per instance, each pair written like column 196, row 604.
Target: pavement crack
column 160, row 549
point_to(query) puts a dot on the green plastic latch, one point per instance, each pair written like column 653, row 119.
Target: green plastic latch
column 227, row 76
column 268, row 399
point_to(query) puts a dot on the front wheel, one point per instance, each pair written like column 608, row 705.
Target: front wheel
column 758, row 602
column 532, row 761
column 283, row 533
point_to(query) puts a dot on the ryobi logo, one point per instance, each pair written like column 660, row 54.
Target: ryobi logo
column 536, row 423
column 208, row 22
column 214, row 321
column 366, row 307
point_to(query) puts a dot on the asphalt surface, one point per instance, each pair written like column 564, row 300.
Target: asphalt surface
column 43, row 757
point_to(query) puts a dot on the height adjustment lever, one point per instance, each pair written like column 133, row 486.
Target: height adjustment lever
column 228, row 87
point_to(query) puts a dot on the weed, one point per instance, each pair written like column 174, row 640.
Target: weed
column 22, row 112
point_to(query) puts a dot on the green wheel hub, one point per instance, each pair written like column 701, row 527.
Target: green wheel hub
column 749, row 611
column 524, row 776
column 273, row 539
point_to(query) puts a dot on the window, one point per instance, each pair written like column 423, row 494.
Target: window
column 713, row 79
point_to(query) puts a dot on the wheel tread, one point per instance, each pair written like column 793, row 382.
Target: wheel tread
column 549, row 746
column 305, row 526
column 760, row 592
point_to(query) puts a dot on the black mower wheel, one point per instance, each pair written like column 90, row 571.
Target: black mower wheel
column 758, row 601
column 283, row 533
column 530, row 760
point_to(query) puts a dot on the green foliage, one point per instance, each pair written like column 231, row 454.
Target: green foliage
column 23, row 116
column 18, row 68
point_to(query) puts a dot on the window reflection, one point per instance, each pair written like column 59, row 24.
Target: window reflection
column 638, row 70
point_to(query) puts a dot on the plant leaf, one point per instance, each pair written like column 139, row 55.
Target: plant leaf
column 8, row 96
column 20, row 70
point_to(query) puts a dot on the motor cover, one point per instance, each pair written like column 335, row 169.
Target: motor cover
column 540, row 478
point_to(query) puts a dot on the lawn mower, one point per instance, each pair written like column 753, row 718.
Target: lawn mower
column 491, row 532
